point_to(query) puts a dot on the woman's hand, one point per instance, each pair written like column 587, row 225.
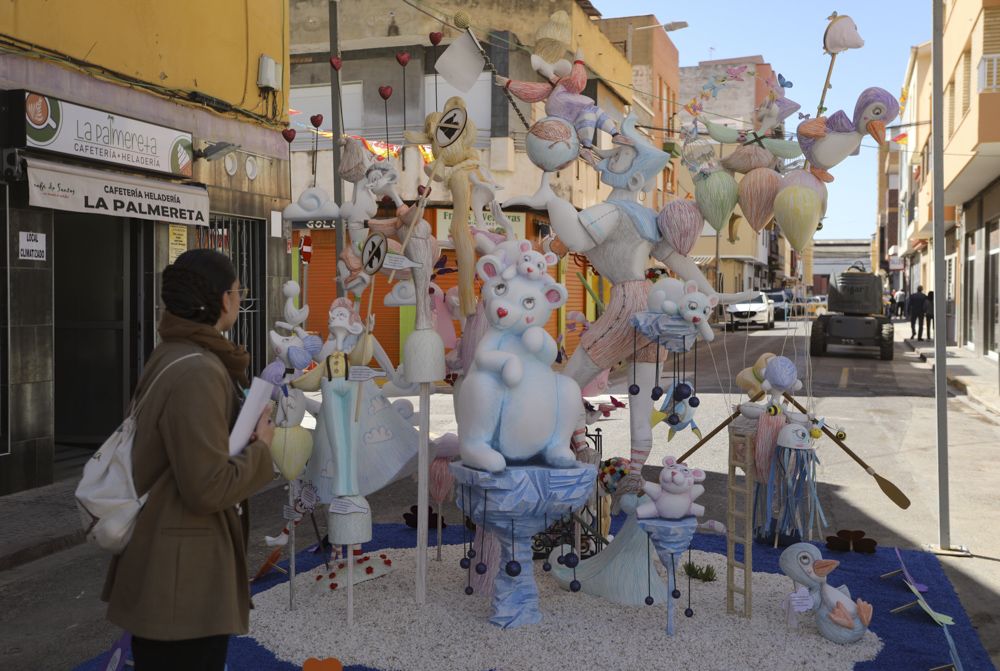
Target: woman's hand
column 265, row 427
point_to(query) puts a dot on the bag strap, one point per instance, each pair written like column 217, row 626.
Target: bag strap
column 134, row 409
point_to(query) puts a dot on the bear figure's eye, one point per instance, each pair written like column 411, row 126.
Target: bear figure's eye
column 527, row 258
column 528, row 303
column 500, row 289
column 692, row 306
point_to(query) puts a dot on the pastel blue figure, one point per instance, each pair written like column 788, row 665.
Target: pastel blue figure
column 677, row 409
column 838, row 617
column 512, row 407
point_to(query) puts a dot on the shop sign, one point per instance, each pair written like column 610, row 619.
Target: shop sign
column 30, row 246
column 445, row 217
column 56, row 125
column 63, row 187
column 895, row 263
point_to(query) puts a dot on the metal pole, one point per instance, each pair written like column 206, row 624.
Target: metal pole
column 338, row 130
column 940, row 328
column 423, row 466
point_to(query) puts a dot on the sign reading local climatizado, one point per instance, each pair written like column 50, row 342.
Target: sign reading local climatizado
column 67, row 128
column 64, row 187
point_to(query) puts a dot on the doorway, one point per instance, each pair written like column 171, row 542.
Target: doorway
column 102, row 327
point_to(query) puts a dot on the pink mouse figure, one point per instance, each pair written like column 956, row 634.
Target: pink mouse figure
column 673, row 498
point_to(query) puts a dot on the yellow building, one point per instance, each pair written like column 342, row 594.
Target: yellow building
column 129, row 135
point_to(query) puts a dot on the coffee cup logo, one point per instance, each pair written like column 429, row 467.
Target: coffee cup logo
column 42, row 115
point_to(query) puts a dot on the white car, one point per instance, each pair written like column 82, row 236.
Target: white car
column 758, row 310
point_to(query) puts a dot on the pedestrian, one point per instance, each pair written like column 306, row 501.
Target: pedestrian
column 915, row 309
column 900, row 302
column 892, row 305
column 181, row 587
column 929, row 314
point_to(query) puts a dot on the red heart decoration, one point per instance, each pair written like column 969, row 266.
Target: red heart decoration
column 403, row 57
column 385, row 92
column 316, row 120
column 336, row 62
column 421, row 190
column 288, row 134
column 328, row 664
column 436, row 38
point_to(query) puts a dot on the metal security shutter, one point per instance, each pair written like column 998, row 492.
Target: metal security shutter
column 244, row 241
column 577, row 301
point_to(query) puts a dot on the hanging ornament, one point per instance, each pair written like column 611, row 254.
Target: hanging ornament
column 336, row 62
column 435, row 38
column 797, row 209
column 402, row 57
column 681, row 223
column 316, row 120
column 288, row 134
column 385, row 92
column 716, row 195
column 757, row 191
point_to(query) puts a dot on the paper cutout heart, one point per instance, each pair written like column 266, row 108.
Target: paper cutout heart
column 435, row 38
column 316, row 120
column 336, row 62
column 288, row 134
column 328, row 664
column 290, row 449
column 385, row 92
column 403, row 58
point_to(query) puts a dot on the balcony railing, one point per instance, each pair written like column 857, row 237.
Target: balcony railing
column 989, row 73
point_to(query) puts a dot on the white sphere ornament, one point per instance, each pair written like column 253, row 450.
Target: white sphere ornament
column 552, row 144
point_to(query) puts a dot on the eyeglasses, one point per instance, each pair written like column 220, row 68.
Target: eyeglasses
column 242, row 291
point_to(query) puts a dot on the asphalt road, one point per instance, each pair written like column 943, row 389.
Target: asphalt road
column 52, row 617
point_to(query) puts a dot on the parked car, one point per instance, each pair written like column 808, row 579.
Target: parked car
column 758, row 310
column 782, row 304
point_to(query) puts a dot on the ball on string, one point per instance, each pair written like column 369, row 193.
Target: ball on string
column 633, row 389
column 682, row 391
column 469, row 590
column 513, row 568
column 673, row 419
column 471, row 554
column 574, row 585
column 657, row 393
column 481, row 568
column 546, row 566
column 561, row 559
column 676, row 593
column 572, row 560
column 688, row 612
column 464, row 562
column 694, row 402
column 649, row 601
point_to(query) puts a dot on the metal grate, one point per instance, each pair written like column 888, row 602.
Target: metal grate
column 244, row 241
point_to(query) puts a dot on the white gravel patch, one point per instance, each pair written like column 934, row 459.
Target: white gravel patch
column 452, row 633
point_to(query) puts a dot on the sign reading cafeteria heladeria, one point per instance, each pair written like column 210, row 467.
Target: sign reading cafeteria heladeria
column 65, row 187
column 67, row 128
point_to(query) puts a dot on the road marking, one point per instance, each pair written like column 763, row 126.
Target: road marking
column 843, row 379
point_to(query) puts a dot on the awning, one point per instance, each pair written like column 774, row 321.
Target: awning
column 75, row 189
column 702, row 260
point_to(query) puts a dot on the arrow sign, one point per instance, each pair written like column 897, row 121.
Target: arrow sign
column 399, row 262
column 363, row 373
column 373, row 253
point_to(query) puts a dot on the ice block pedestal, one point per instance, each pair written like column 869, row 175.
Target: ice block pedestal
column 670, row 538
column 516, row 504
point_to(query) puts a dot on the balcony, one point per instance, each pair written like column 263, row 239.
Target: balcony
column 989, row 73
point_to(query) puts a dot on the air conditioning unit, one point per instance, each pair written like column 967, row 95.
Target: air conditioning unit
column 268, row 74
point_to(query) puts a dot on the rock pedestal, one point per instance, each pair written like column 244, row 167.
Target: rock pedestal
column 516, row 504
column 670, row 538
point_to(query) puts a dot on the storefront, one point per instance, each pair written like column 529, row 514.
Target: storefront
column 96, row 203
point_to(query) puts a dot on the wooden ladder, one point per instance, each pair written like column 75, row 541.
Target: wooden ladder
column 739, row 514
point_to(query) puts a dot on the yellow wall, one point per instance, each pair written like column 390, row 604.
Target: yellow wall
column 207, row 45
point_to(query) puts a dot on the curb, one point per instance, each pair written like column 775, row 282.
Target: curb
column 958, row 383
column 47, row 547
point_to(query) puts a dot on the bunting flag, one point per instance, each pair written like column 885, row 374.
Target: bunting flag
column 902, row 138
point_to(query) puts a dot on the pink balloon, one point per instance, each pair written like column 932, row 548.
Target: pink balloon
column 681, row 223
column 758, row 189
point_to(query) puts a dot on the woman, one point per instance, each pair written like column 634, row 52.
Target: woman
column 929, row 314
column 181, row 585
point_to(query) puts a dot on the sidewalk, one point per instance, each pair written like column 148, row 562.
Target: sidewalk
column 968, row 372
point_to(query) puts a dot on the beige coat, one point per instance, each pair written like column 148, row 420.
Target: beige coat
column 184, row 574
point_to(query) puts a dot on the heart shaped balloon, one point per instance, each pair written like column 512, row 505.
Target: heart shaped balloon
column 403, row 57
column 316, row 120
column 757, row 191
column 288, row 134
column 385, row 92
column 328, row 664
column 798, row 209
column 435, row 38
column 716, row 196
column 291, row 448
column 336, row 62
column 680, row 222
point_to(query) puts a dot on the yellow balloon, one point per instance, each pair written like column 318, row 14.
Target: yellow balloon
column 798, row 209
column 290, row 450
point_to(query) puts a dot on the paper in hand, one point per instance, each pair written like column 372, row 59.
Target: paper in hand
column 257, row 399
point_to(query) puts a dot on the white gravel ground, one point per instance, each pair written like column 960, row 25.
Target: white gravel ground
column 451, row 632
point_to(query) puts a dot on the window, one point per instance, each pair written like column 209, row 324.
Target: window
column 950, row 110
column 966, row 80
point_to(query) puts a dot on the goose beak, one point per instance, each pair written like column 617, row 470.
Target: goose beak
column 877, row 130
column 823, row 567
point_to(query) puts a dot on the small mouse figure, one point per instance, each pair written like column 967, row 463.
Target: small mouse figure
column 676, row 298
column 673, row 498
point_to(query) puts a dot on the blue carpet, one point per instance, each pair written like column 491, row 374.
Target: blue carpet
column 911, row 639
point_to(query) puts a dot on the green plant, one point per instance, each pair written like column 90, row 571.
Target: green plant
column 704, row 573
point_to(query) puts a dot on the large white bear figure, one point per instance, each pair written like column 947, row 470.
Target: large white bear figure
column 512, row 407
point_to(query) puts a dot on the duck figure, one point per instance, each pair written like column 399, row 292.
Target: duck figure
column 826, row 141
column 838, row 618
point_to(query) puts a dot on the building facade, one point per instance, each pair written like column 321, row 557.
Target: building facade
column 121, row 149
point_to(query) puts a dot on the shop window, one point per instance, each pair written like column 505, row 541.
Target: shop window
column 968, row 293
column 993, row 287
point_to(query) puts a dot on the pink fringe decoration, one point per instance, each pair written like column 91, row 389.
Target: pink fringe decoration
column 487, row 551
column 681, row 223
column 530, row 92
column 768, row 428
column 442, row 481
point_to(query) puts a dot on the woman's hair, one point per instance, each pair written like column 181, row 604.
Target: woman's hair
column 193, row 285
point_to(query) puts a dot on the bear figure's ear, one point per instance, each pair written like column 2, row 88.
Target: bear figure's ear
column 690, row 287
column 488, row 267
column 556, row 295
column 699, row 475
column 713, row 300
column 551, row 259
column 525, row 246
column 669, row 461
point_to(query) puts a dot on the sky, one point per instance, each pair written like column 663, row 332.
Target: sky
column 789, row 35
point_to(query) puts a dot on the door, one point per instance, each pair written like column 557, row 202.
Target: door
column 92, row 311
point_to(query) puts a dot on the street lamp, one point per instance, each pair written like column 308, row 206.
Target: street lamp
column 668, row 27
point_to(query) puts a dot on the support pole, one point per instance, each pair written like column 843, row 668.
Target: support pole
column 350, row 585
column 291, row 545
column 338, row 130
column 423, row 473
